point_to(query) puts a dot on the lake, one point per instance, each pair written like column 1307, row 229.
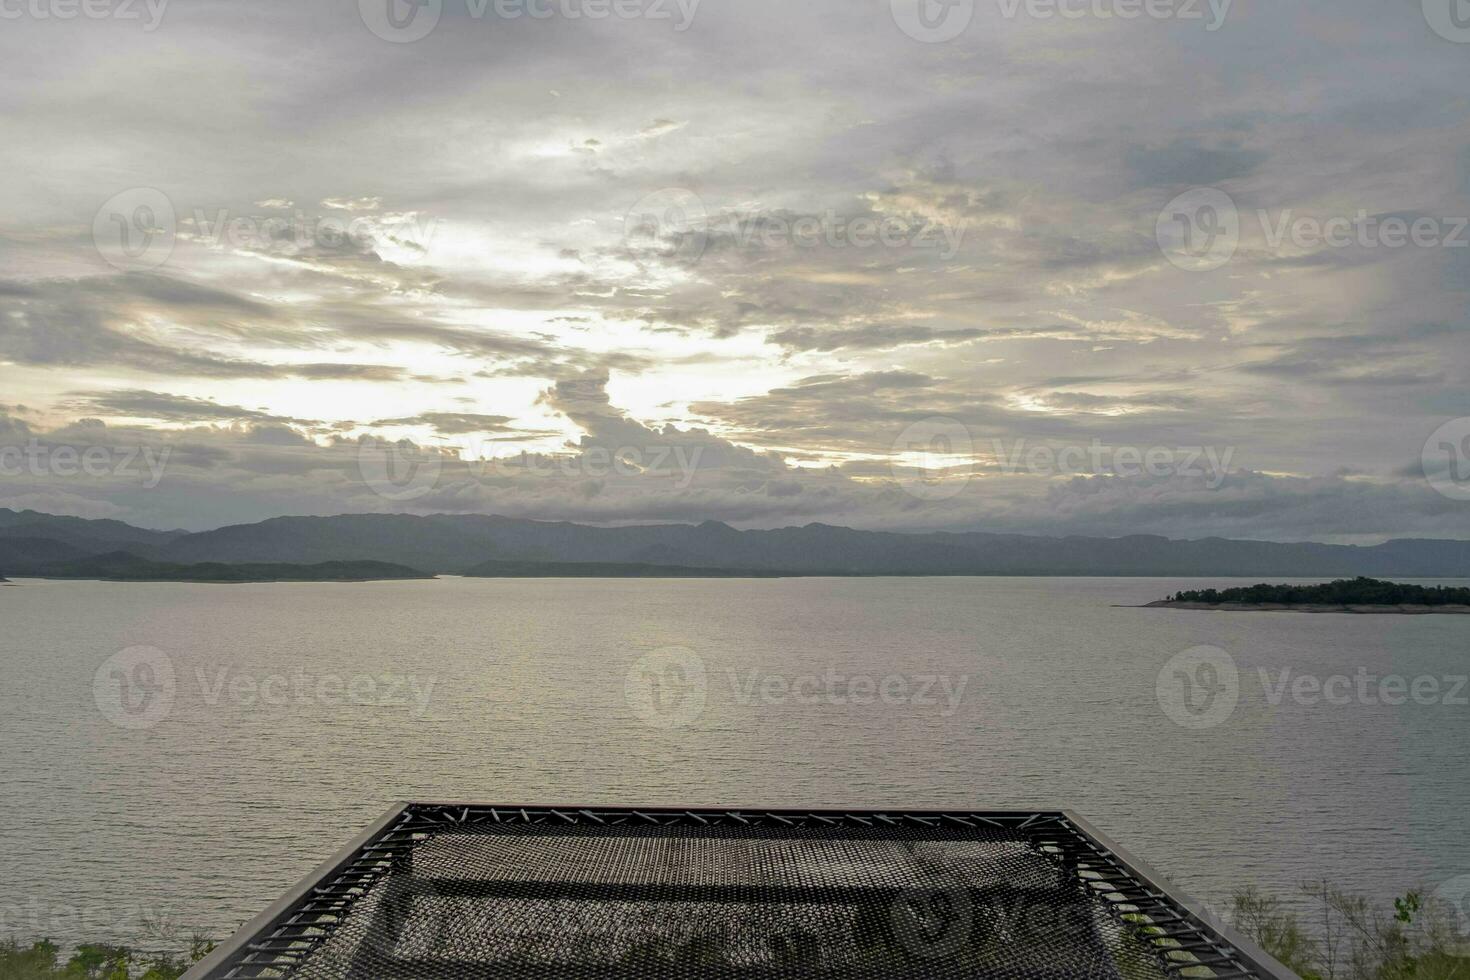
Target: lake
column 185, row 753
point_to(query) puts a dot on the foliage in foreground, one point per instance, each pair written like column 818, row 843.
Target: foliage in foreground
column 1344, row 592
column 1354, row 941
column 42, row 961
column 1351, row 941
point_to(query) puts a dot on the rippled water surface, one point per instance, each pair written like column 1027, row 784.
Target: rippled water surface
column 299, row 712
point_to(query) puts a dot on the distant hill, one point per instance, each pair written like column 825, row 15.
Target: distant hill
column 458, row 544
column 602, row 569
column 25, row 553
column 122, row 566
column 81, row 533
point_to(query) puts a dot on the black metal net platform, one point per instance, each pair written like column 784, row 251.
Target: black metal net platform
column 474, row 891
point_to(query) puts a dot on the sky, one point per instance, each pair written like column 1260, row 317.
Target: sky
column 1099, row 267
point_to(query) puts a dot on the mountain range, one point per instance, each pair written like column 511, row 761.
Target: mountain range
column 33, row 543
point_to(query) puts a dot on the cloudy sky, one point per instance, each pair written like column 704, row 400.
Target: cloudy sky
column 1100, row 267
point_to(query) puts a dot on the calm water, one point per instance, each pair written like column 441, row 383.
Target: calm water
column 299, row 712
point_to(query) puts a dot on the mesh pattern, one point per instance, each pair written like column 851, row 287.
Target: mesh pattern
column 481, row 892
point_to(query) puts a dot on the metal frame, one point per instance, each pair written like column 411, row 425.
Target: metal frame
column 1180, row 932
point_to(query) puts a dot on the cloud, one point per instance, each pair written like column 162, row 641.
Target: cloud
column 454, row 423
column 352, row 203
column 173, row 408
column 498, row 265
column 870, row 337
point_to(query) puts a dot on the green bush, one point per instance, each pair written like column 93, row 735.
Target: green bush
column 42, row 961
column 1354, row 941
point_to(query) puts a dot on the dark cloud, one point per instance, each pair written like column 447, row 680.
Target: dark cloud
column 173, row 408
column 1190, row 163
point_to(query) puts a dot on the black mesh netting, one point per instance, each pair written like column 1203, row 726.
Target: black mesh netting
column 474, row 899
